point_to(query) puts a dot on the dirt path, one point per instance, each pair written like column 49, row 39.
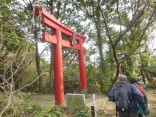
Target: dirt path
column 104, row 107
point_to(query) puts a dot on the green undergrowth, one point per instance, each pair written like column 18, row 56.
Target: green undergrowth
column 38, row 111
column 22, row 107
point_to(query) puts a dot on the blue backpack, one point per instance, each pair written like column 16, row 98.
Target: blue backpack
column 122, row 99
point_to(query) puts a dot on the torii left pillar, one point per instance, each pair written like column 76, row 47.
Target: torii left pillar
column 75, row 41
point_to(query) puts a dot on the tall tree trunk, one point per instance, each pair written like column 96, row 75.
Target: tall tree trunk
column 100, row 47
column 51, row 83
column 142, row 74
column 51, row 80
column 99, row 38
column 38, row 67
column 147, row 76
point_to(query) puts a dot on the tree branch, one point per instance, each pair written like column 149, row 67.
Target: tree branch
column 8, row 104
column 29, row 83
column 130, row 25
column 143, row 33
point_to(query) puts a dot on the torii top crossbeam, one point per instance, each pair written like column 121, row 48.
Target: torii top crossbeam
column 75, row 41
column 50, row 21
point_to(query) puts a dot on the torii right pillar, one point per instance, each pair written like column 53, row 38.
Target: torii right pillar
column 82, row 67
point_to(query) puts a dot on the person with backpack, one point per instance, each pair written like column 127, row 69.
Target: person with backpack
column 140, row 82
column 127, row 98
column 142, row 110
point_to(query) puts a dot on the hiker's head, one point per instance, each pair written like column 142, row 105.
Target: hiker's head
column 123, row 78
column 133, row 80
column 139, row 79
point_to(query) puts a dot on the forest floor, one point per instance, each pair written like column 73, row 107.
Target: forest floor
column 104, row 107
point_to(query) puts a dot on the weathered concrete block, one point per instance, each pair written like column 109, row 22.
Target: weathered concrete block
column 75, row 100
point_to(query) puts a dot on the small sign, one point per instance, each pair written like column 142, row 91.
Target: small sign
column 73, row 39
column 75, row 100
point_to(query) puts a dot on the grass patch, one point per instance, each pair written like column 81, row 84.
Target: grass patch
column 26, row 109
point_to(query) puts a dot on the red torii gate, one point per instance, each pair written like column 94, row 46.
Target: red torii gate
column 75, row 41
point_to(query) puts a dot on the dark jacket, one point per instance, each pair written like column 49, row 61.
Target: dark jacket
column 135, row 96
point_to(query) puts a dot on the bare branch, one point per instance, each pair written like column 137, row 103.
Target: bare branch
column 29, row 83
column 8, row 104
column 84, row 9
